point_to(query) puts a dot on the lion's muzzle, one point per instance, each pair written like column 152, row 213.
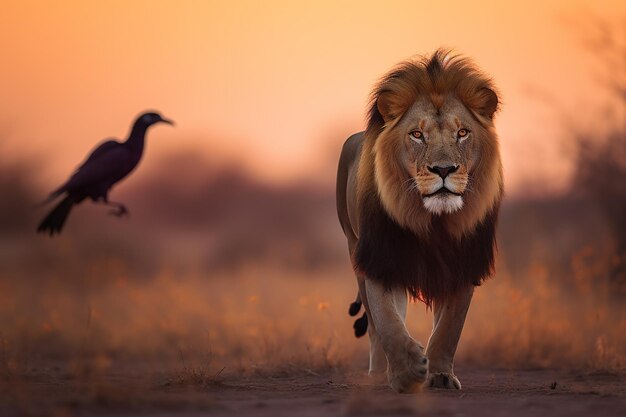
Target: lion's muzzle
column 443, row 171
column 443, row 192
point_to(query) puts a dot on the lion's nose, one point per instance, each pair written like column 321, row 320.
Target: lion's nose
column 443, row 171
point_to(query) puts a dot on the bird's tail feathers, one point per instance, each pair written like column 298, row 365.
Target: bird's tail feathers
column 51, row 197
column 54, row 221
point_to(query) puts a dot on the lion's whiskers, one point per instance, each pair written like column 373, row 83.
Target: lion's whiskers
column 469, row 186
column 412, row 186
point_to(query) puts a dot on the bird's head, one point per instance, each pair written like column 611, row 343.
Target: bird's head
column 150, row 118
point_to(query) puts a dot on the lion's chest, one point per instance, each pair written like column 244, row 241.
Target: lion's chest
column 430, row 267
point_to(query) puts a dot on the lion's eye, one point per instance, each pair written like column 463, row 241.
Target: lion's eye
column 416, row 134
column 462, row 133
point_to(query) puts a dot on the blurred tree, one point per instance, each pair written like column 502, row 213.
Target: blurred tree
column 601, row 154
column 17, row 194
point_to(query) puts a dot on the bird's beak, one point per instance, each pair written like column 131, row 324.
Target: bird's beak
column 168, row 121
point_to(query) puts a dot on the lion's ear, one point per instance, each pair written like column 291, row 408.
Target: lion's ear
column 388, row 106
column 487, row 102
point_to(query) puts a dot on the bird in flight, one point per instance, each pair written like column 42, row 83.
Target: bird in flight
column 109, row 163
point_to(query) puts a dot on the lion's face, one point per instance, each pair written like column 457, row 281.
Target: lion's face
column 440, row 150
column 431, row 147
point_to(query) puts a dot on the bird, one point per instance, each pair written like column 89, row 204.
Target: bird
column 108, row 163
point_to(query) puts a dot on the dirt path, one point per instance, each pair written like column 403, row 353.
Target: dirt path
column 486, row 393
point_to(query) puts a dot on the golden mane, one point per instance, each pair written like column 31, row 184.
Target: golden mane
column 436, row 77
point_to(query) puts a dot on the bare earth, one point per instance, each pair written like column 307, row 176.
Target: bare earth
column 306, row 393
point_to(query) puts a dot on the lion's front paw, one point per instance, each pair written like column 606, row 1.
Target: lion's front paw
column 443, row 380
column 408, row 370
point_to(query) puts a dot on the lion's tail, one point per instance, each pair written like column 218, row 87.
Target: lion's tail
column 355, row 307
column 360, row 324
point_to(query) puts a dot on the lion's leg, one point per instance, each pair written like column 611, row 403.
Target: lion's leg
column 407, row 363
column 449, row 317
column 378, row 360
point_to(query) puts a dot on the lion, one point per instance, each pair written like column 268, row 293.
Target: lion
column 418, row 195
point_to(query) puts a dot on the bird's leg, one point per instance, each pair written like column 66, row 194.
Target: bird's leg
column 120, row 209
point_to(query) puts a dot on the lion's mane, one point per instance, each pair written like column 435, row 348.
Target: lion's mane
column 400, row 243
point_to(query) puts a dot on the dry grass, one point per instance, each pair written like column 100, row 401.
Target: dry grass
column 264, row 322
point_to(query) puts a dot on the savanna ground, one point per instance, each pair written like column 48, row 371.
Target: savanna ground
column 298, row 391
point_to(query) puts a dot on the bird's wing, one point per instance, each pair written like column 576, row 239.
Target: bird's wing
column 100, row 150
column 78, row 177
column 107, row 162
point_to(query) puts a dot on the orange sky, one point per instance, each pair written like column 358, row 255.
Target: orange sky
column 276, row 85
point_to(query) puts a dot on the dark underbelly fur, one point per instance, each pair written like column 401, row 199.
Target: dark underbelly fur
column 429, row 268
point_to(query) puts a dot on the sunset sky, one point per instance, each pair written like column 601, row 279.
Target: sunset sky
column 277, row 85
